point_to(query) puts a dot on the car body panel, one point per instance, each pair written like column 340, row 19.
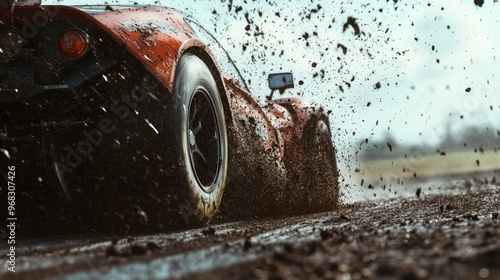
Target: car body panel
column 156, row 37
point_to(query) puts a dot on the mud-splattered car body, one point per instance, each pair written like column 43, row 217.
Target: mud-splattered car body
column 53, row 100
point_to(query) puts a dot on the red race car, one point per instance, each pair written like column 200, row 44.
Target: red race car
column 124, row 112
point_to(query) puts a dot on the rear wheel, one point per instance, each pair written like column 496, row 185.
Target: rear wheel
column 201, row 140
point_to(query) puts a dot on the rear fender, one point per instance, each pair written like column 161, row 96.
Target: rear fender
column 158, row 37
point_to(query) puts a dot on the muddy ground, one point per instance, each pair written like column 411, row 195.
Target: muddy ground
column 439, row 237
column 429, row 236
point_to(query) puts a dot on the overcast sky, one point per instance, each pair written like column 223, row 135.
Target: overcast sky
column 437, row 62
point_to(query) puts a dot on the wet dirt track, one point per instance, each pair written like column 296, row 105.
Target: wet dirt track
column 452, row 236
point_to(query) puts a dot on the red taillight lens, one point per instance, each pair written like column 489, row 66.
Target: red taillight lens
column 73, row 43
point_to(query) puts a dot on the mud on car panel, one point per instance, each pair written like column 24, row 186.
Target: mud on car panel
column 125, row 116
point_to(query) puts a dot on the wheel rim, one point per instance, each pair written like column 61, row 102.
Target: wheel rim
column 204, row 142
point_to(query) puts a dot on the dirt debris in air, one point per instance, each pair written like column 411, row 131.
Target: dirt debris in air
column 351, row 21
column 479, row 2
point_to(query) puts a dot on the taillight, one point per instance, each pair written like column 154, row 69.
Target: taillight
column 73, row 43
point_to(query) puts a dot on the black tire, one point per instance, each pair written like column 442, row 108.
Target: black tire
column 320, row 167
column 201, row 140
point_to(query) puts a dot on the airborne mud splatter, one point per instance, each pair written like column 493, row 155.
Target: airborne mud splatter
column 393, row 76
column 352, row 23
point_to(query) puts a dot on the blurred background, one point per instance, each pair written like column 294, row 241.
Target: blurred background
column 413, row 86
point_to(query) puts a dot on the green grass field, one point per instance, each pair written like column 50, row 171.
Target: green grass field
column 430, row 166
